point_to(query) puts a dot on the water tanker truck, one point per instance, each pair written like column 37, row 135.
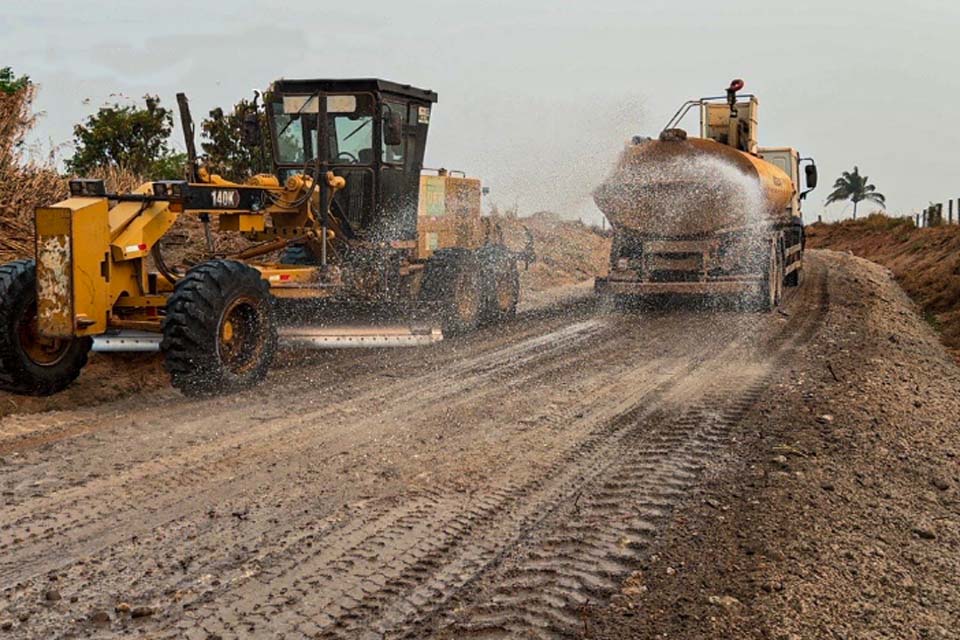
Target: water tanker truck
column 710, row 216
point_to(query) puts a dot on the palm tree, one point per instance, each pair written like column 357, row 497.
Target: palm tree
column 853, row 186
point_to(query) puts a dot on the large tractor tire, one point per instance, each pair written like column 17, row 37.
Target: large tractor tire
column 500, row 284
column 452, row 290
column 219, row 334
column 29, row 363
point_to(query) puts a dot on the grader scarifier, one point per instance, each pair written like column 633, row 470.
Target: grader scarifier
column 354, row 216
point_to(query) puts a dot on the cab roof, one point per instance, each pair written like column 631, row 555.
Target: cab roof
column 289, row 85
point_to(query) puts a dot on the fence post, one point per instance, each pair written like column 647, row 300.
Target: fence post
column 949, row 211
column 916, row 222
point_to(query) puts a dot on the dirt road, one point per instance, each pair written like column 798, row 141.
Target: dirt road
column 494, row 485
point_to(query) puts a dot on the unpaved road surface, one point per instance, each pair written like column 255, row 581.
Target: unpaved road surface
column 503, row 484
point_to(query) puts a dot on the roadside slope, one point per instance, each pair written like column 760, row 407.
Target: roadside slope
column 841, row 516
column 926, row 262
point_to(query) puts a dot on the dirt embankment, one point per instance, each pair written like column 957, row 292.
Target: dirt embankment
column 567, row 251
column 840, row 517
column 926, row 262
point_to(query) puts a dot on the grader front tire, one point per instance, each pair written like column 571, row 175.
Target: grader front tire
column 31, row 364
column 219, row 334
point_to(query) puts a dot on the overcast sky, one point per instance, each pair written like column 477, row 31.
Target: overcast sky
column 537, row 97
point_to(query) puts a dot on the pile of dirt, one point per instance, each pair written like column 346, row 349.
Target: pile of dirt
column 926, row 262
column 837, row 513
column 567, row 251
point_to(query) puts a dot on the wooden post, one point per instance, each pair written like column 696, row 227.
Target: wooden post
column 949, row 211
column 917, row 221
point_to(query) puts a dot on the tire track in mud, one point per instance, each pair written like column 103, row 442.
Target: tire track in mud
column 175, row 411
column 404, row 574
column 583, row 551
column 95, row 515
column 623, row 481
column 312, row 536
column 395, row 566
column 91, row 503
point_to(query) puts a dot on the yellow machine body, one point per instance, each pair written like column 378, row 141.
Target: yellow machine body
column 449, row 214
column 92, row 267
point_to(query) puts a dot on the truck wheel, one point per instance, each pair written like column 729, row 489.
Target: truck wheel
column 31, row 364
column 794, row 278
column 219, row 333
column 771, row 290
column 500, row 281
column 452, row 291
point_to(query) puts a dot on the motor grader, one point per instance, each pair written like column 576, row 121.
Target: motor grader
column 348, row 217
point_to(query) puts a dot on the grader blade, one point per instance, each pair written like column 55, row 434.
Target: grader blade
column 298, row 337
column 350, row 337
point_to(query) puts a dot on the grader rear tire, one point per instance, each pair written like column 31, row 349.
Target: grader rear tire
column 500, row 283
column 451, row 290
column 219, row 334
column 29, row 363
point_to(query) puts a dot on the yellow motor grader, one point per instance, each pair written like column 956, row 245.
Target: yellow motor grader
column 349, row 209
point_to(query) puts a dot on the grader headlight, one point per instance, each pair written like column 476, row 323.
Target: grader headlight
column 87, row 188
column 170, row 189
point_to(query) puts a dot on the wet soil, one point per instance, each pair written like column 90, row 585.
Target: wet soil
column 535, row 479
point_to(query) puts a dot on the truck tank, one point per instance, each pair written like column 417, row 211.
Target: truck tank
column 688, row 187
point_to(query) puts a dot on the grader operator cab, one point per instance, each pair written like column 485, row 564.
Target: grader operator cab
column 346, row 219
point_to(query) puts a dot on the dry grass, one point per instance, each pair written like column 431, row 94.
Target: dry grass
column 26, row 183
column 926, row 262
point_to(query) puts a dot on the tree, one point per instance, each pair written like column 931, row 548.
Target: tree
column 224, row 148
column 856, row 188
column 11, row 84
column 130, row 137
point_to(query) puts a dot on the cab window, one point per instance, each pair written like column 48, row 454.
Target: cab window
column 349, row 129
column 351, row 133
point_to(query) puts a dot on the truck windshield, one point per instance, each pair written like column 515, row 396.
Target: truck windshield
column 350, row 133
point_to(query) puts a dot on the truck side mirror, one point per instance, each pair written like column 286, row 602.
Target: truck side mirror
column 251, row 129
column 393, row 129
column 810, row 171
